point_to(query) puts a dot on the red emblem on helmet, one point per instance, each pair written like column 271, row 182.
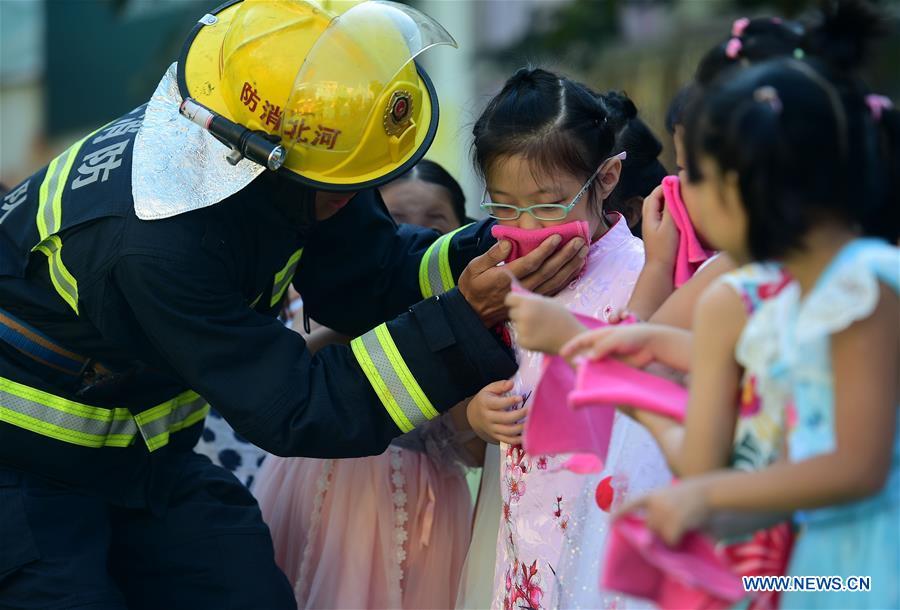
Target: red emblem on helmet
column 397, row 116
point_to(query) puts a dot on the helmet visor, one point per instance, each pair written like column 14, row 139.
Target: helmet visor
column 346, row 75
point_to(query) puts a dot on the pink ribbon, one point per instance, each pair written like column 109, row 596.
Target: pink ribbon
column 737, row 29
column 878, row 104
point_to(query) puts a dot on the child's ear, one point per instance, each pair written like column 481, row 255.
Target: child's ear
column 609, row 177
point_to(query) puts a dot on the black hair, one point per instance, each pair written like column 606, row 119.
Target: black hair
column 752, row 41
column 675, row 112
column 433, row 173
column 641, row 170
column 802, row 139
column 558, row 124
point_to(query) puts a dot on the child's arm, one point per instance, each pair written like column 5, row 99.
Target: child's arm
column 704, row 442
column 638, row 345
column 475, row 446
column 678, row 309
column 866, row 395
column 541, row 324
column 654, row 285
column 712, row 407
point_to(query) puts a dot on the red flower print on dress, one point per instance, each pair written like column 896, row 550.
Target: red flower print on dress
column 767, row 553
column 767, row 291
column 750, row 400
column 562, row 519
column 604, row 494
column 516, row 461
column 542, row 462
column 523, row 590
column 516, row 487
column 790, row 416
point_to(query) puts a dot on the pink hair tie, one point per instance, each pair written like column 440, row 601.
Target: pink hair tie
column 737, row 29
column 733, row 48
column 776, row 20
column 877, row 104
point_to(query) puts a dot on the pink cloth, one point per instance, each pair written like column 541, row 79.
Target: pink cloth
column 691, row 253
column 603, row 384
column 690, row 575
column 523, row 241
column 388, row 531
column 591, row 396
column 574, row 412
column 552, row 427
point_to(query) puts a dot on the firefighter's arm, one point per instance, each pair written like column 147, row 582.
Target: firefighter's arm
column 360, row 268
column 342, row 401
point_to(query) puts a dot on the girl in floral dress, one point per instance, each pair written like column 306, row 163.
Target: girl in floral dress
column 829, row 339
column 547, row 147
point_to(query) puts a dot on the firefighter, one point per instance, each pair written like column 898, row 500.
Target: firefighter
column 141, row 273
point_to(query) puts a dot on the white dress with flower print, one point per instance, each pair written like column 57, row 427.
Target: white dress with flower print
column 539, row 499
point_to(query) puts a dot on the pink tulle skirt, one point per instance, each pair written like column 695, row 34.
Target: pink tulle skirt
column 389, row 531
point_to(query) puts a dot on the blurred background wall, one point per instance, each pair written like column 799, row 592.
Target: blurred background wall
column 67, row 66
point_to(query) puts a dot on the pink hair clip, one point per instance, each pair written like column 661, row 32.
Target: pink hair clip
column 737, row 29
column 768, row 95
column 733, row 48
column 877, row 104
column 776, row 20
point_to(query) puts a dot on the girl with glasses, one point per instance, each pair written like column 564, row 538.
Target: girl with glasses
column 550, row 151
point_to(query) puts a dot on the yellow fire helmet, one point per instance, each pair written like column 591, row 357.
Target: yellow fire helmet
column 336, row 81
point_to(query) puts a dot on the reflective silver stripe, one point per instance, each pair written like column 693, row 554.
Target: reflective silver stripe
column 157, row 423
column 398, row 391
column 435, row 275
column 88, row 426
column 434, row 268
column 283, row 278
column 64, row 420
column 52, row 186
column 62, row 279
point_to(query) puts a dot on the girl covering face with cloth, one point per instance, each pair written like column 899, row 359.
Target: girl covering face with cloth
column 547, row 147
column 796, row 162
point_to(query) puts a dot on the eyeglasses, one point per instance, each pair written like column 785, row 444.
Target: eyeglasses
column 543, row 211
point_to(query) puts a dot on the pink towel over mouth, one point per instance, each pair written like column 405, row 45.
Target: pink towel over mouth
column 690, row 575
column 691, row 253
column 524, row 241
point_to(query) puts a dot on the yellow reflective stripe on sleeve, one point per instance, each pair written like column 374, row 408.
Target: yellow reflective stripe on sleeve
column 63, row 281
column 283, row 278
column 435, row 275
column 377, row 383
column 79, row 424
column 403, row 373
column 391, row 379
column 64, row 420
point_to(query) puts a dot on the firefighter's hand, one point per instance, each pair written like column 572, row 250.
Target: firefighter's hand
column 545, row 271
